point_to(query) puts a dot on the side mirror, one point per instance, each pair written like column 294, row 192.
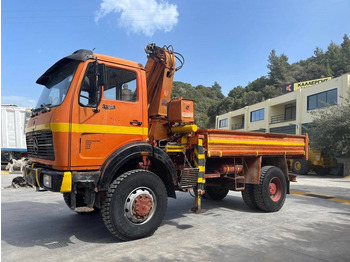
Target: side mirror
column 101, row 74
column 101, row 79
column 91, row 86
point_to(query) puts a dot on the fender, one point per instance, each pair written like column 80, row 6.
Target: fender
column 132, row 151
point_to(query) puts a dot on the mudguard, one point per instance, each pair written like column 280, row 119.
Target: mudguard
column 120, row 157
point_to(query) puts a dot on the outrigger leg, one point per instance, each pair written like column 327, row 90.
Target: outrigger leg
column 199, row 191
column 197, row 209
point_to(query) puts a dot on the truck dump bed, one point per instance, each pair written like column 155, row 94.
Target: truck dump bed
column 227, row 143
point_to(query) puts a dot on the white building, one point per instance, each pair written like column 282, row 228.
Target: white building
column 287, row 113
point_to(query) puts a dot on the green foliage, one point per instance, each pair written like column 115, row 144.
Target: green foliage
column 280, row 69
column 204, row 98
column 330, row 131
column 210, row 102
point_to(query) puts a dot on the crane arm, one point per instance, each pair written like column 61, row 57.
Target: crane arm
column 160, row 69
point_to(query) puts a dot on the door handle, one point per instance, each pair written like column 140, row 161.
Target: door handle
column 135, row 123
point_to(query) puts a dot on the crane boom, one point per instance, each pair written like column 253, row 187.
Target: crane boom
column 160, row 69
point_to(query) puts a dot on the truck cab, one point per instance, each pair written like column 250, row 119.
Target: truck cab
column 90, row 106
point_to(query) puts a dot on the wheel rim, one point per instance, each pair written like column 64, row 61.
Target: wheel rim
column 275, row 189
column 297, row 165
column 140, row 205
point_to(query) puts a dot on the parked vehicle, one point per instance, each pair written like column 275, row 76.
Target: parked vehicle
column 107, row 134
column 317, row 161
column 13, row 140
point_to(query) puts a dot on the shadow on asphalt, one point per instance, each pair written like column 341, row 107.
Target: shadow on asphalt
column 181, row 206
column 320, row 241
column 50, row 225
column 53, row 225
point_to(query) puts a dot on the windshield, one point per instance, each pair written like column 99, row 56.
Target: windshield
column 57, row 84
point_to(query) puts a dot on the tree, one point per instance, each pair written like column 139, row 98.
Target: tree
column 345, row 49
column 308, row 69
column 237, row 92
column 258, row 84
column 335, row 59
column 318, row 54
column 252, row 97
column 330, row 130
column 271, row 91
column 279, row 69
column 219, row 108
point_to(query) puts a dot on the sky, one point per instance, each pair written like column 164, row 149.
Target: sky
column 225, row 41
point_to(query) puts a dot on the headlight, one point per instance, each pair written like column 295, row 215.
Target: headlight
column 47, row 181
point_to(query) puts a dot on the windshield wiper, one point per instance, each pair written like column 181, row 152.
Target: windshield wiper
column 43, row 108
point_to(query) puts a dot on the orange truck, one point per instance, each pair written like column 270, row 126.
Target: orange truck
column 108, row 135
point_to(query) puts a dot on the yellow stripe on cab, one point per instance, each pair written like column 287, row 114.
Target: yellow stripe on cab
column 84, row 128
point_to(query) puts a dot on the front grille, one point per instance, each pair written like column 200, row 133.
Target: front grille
column 40, row 145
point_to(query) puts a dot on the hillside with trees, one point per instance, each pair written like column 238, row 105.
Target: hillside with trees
column 210, row 102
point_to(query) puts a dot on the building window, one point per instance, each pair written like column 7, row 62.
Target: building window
column 223, row 123
column 322, row 99
column 290, row 112
column 257, row 115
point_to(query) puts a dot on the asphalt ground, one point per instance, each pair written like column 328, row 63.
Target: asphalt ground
column 313, row 225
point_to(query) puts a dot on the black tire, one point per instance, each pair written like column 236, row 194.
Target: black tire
column 79, row 203
column 215, row 193
column 270, row 193
column 322, row 171
column 300, row 166
column 135, row 205
column 248, row 196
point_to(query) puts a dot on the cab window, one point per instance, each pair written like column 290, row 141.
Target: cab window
column 121, row 85
column 87, row 96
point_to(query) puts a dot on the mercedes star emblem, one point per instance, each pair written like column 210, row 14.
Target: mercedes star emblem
column 35, row 145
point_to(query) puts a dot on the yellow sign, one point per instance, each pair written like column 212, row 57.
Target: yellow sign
column 309, row 83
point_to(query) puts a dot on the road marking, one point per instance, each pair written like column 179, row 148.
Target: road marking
column 5, row 172
column 315, row 195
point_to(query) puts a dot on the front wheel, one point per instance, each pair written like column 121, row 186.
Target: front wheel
column 135, row 205
column 271, row 191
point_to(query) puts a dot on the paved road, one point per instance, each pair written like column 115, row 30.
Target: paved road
column 313, row 225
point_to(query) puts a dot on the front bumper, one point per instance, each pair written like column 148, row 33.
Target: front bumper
column 59, row 181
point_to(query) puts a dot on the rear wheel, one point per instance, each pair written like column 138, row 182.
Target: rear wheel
column 270, row 193
column 135, row 205
column 248, row 196
column 215, row 193
column 300, row 166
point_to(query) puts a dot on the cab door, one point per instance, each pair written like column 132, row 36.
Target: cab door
column 118, row 120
